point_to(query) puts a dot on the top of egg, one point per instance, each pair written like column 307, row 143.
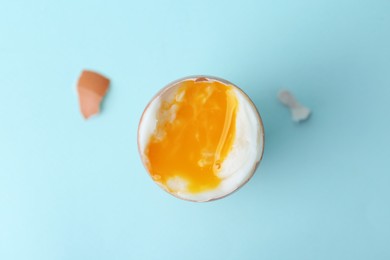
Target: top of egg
column 201, row 138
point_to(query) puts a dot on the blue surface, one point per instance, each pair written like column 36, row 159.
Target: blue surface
column 71, row 189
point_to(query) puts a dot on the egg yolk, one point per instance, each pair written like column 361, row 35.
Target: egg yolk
column 195, row 132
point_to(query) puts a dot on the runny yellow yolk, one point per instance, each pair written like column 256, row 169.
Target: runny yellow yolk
column 194, row 134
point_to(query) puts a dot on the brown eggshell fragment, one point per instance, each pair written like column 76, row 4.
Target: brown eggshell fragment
column 91, row 88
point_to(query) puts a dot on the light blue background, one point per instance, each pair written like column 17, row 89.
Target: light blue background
column 71, row 189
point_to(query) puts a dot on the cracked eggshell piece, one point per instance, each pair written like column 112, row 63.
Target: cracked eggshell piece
column 298, row 111
column 91, row 89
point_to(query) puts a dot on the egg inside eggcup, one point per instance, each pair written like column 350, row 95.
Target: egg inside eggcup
column 201, row 138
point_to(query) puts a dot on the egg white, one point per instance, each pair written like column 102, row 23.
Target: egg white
column 241, row 162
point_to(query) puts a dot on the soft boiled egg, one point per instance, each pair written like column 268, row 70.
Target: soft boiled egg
column 201, row 138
